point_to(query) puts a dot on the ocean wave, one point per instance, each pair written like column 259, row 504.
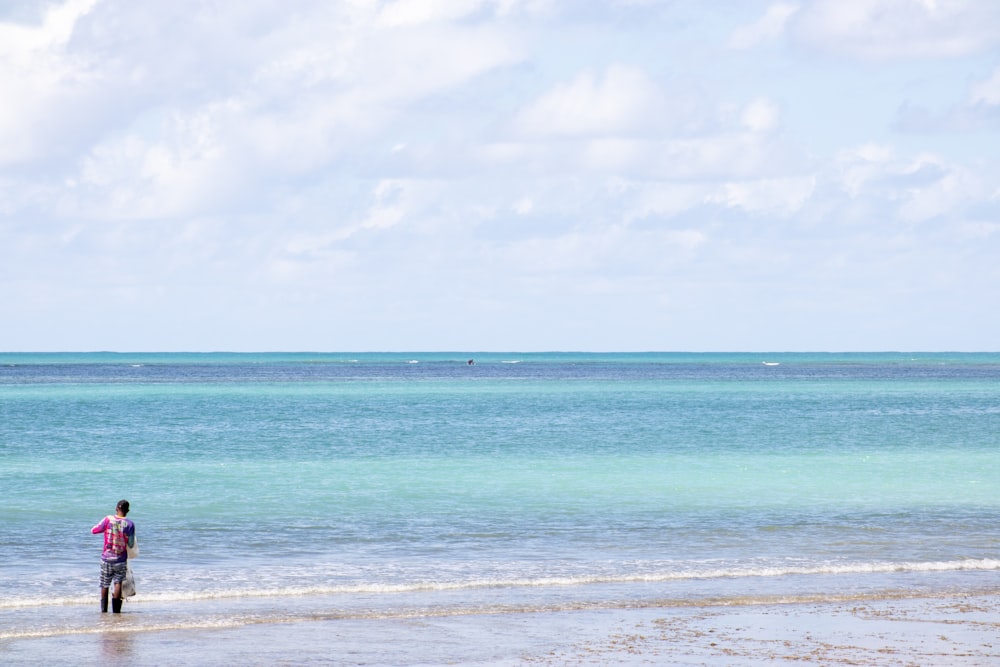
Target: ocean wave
column 145, row 623
column 472, row 584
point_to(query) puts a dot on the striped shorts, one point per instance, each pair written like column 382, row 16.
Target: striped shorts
column 112, row 572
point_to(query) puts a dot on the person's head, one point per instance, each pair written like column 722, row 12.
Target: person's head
column 122, row 507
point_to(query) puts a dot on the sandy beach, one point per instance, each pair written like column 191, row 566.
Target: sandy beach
column 940, row 631
column 948, row 630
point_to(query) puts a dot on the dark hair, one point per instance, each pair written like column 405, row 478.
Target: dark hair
column 122, row 506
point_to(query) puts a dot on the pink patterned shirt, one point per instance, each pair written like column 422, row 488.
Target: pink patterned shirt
column 119, row 532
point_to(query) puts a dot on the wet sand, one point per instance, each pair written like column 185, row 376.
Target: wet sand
column 941, row 631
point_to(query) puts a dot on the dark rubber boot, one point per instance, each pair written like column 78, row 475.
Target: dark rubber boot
column 104, row 603
column 116, row 605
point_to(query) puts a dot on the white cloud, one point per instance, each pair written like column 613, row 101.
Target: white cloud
column 644, row 199
column 39, row 80
column 945, row 195
column 384, row 217
column 782, row 196
column 612, row 154
column 912, row 189
column 418, row 12
column 888, row 29
column 387, row 211
column 23, row 44
column 622, row 101
column 183, row 170
column 768, row 27
column 411, row 12
column 727, row 155
column 623, row 123
column 364, row 151
column 859, row 166
column 761, row 115
column 978, row 111
column 979, row 230
column 986, row 92
column 294, row 106
column 523, row 206
column 398, row 65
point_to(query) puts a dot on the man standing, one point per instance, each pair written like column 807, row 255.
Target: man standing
column 119, row 534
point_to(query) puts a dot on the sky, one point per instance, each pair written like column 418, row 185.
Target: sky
column 505, row 175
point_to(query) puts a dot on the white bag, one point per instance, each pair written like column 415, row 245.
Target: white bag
column 128, row 584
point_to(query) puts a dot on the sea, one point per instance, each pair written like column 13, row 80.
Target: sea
column 358, row 495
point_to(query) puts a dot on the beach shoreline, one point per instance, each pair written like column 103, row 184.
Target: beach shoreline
column 956, row 629
column 946, row 630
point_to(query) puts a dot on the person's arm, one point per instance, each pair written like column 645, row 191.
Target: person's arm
column 99, row 528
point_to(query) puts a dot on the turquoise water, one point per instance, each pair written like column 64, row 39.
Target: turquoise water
column 275, row 487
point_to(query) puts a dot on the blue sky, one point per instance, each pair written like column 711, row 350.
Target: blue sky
column 500, row 175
